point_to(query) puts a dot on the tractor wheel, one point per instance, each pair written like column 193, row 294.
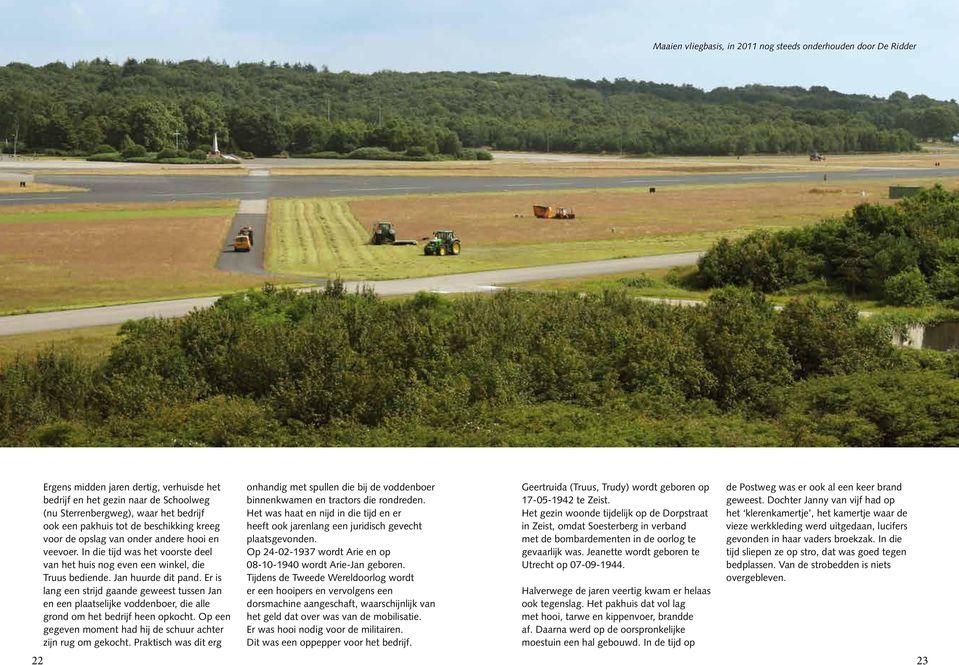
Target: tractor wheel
column 442, row 251
column 456, row 248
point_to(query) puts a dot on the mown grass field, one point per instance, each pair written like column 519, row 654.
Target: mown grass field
column 322, row 237
column 78, row 256
column 330, row 237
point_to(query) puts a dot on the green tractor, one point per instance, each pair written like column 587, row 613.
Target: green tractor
column 442, row 243
column 383, row 234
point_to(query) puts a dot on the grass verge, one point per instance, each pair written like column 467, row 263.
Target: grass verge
column 13, row 187
column 90, row 343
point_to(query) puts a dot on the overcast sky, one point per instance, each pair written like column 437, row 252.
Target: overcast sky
column 574, row 38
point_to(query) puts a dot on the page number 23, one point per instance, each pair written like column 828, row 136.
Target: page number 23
column 922, row 660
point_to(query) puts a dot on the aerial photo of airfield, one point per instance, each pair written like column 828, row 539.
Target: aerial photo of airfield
column 471, row 259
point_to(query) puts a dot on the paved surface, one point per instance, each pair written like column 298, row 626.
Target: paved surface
column 251, row 213
column 118, row 189
column 462, row 283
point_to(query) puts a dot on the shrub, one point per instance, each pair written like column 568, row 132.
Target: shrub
column 104, row 148
column 484, row 155
column 762, row 260
column 197, row 154
column 105, row 157
column 891, row 408
column 417, row 151
column 908, row 288
column 643, row 281
column 944, row 283
column 324, row 154
column 736, row 332
column 831, row 338
column 167, row 153
column 135, row 150
column 372, row 153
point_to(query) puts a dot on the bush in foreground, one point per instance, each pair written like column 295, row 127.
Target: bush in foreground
column 279, row 368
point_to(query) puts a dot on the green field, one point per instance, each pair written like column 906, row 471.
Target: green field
column 322, row 237
column 101, row 214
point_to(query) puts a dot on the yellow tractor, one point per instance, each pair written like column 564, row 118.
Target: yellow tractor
column 242, row 243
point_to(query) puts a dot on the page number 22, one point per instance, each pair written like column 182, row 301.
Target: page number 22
column 37, row 660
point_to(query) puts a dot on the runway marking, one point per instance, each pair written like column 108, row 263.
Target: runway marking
column 774, row 177
column 179, row 194
column 34, row 198
column 373, row 189
column 252, row 207
column 652, row 181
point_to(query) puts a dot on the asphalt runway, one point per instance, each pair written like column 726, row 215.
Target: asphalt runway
column 120, row 189
column 252, row 213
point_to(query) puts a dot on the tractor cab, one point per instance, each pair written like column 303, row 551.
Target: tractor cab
column 442, row 243
column 242, row 243
column 383, row 234
column 248, row 232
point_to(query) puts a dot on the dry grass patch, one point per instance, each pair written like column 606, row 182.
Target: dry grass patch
column 498, row 219
column 72, row 257
column 13, row 187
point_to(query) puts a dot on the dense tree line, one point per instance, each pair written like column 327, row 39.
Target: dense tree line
column 907, row 253
column 268, row 108
column 280, row 368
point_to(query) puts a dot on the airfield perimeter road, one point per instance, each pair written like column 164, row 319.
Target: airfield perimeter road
column 472, row 282
column 120, row 189
column 127, row 189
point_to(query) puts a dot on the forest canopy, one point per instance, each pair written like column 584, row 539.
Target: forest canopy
column 269, row 108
